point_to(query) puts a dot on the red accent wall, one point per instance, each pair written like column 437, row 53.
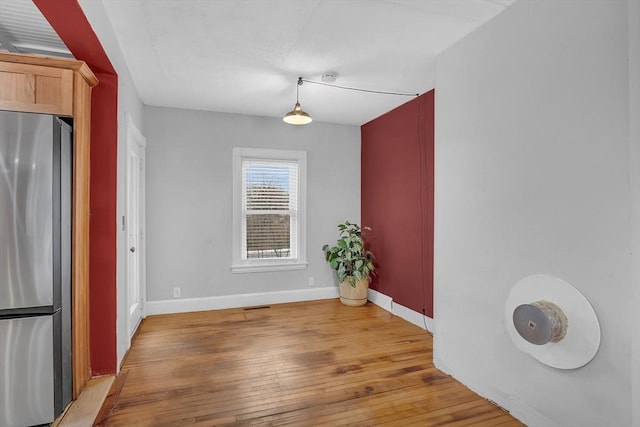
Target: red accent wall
column 103, row 227
column 68, row 20
column 397, row 201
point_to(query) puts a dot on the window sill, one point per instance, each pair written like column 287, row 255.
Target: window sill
column 264, row 267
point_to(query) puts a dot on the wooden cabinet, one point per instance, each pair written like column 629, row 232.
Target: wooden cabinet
column 63, row 87
column 37, row 89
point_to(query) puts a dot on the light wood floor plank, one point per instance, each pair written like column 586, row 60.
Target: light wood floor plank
column 302, row 364
column 85, row 410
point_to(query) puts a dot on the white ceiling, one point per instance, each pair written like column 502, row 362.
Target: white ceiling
column 244, row 56
column 23, row 29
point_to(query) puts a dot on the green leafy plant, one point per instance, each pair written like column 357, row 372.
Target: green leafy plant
column 349, row 257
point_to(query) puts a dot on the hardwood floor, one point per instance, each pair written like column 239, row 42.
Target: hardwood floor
column 315, row 363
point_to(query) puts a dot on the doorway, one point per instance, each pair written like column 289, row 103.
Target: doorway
column 134, row 224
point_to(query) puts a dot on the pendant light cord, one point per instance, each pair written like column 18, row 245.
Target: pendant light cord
column 300, row 79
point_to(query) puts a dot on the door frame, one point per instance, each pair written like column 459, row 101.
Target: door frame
column 134, row 136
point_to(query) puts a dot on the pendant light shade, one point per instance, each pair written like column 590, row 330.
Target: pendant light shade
column 297, row 116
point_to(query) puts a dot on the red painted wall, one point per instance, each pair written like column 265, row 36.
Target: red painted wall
column 103, row 227
column 68, row 20
column 397, row 201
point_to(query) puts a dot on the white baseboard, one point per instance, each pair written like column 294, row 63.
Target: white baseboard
column 386, row 302
column 381, row 300
column 185, row 305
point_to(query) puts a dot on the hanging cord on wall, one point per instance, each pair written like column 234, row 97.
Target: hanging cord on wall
column 360, row 90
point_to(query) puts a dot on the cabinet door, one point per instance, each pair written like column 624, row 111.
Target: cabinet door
column 25, row 87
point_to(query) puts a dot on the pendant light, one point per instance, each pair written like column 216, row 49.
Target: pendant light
column 297, row 116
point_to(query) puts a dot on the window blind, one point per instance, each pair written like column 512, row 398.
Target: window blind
column 270, row 208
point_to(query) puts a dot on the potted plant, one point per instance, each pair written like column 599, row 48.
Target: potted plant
column 352, row 262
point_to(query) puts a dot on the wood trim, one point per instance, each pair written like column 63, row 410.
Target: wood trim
column 87, row 75
column 52, row 63
column 37, row 88
column 110, row 400
column 80, row 268
column 45, row 109
column 91, row 405
column 20, row 67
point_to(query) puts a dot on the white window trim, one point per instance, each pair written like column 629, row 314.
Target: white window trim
column 238, row 265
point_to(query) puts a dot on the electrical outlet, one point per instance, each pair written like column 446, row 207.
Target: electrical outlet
column 311, row 282
column 176, row 292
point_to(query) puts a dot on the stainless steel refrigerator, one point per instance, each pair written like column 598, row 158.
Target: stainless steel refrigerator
column 35, row 268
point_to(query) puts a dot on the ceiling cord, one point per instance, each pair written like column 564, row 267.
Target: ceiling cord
column 357, row 89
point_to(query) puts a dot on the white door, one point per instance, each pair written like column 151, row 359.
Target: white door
column 134, row 226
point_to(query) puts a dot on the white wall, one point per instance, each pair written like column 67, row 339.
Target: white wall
column 533, row 176
column 129, row 104
column 189, row 199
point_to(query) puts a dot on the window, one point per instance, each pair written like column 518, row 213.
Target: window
column 268, row 210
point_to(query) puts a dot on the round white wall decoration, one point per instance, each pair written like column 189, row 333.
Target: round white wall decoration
column 552, row 321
